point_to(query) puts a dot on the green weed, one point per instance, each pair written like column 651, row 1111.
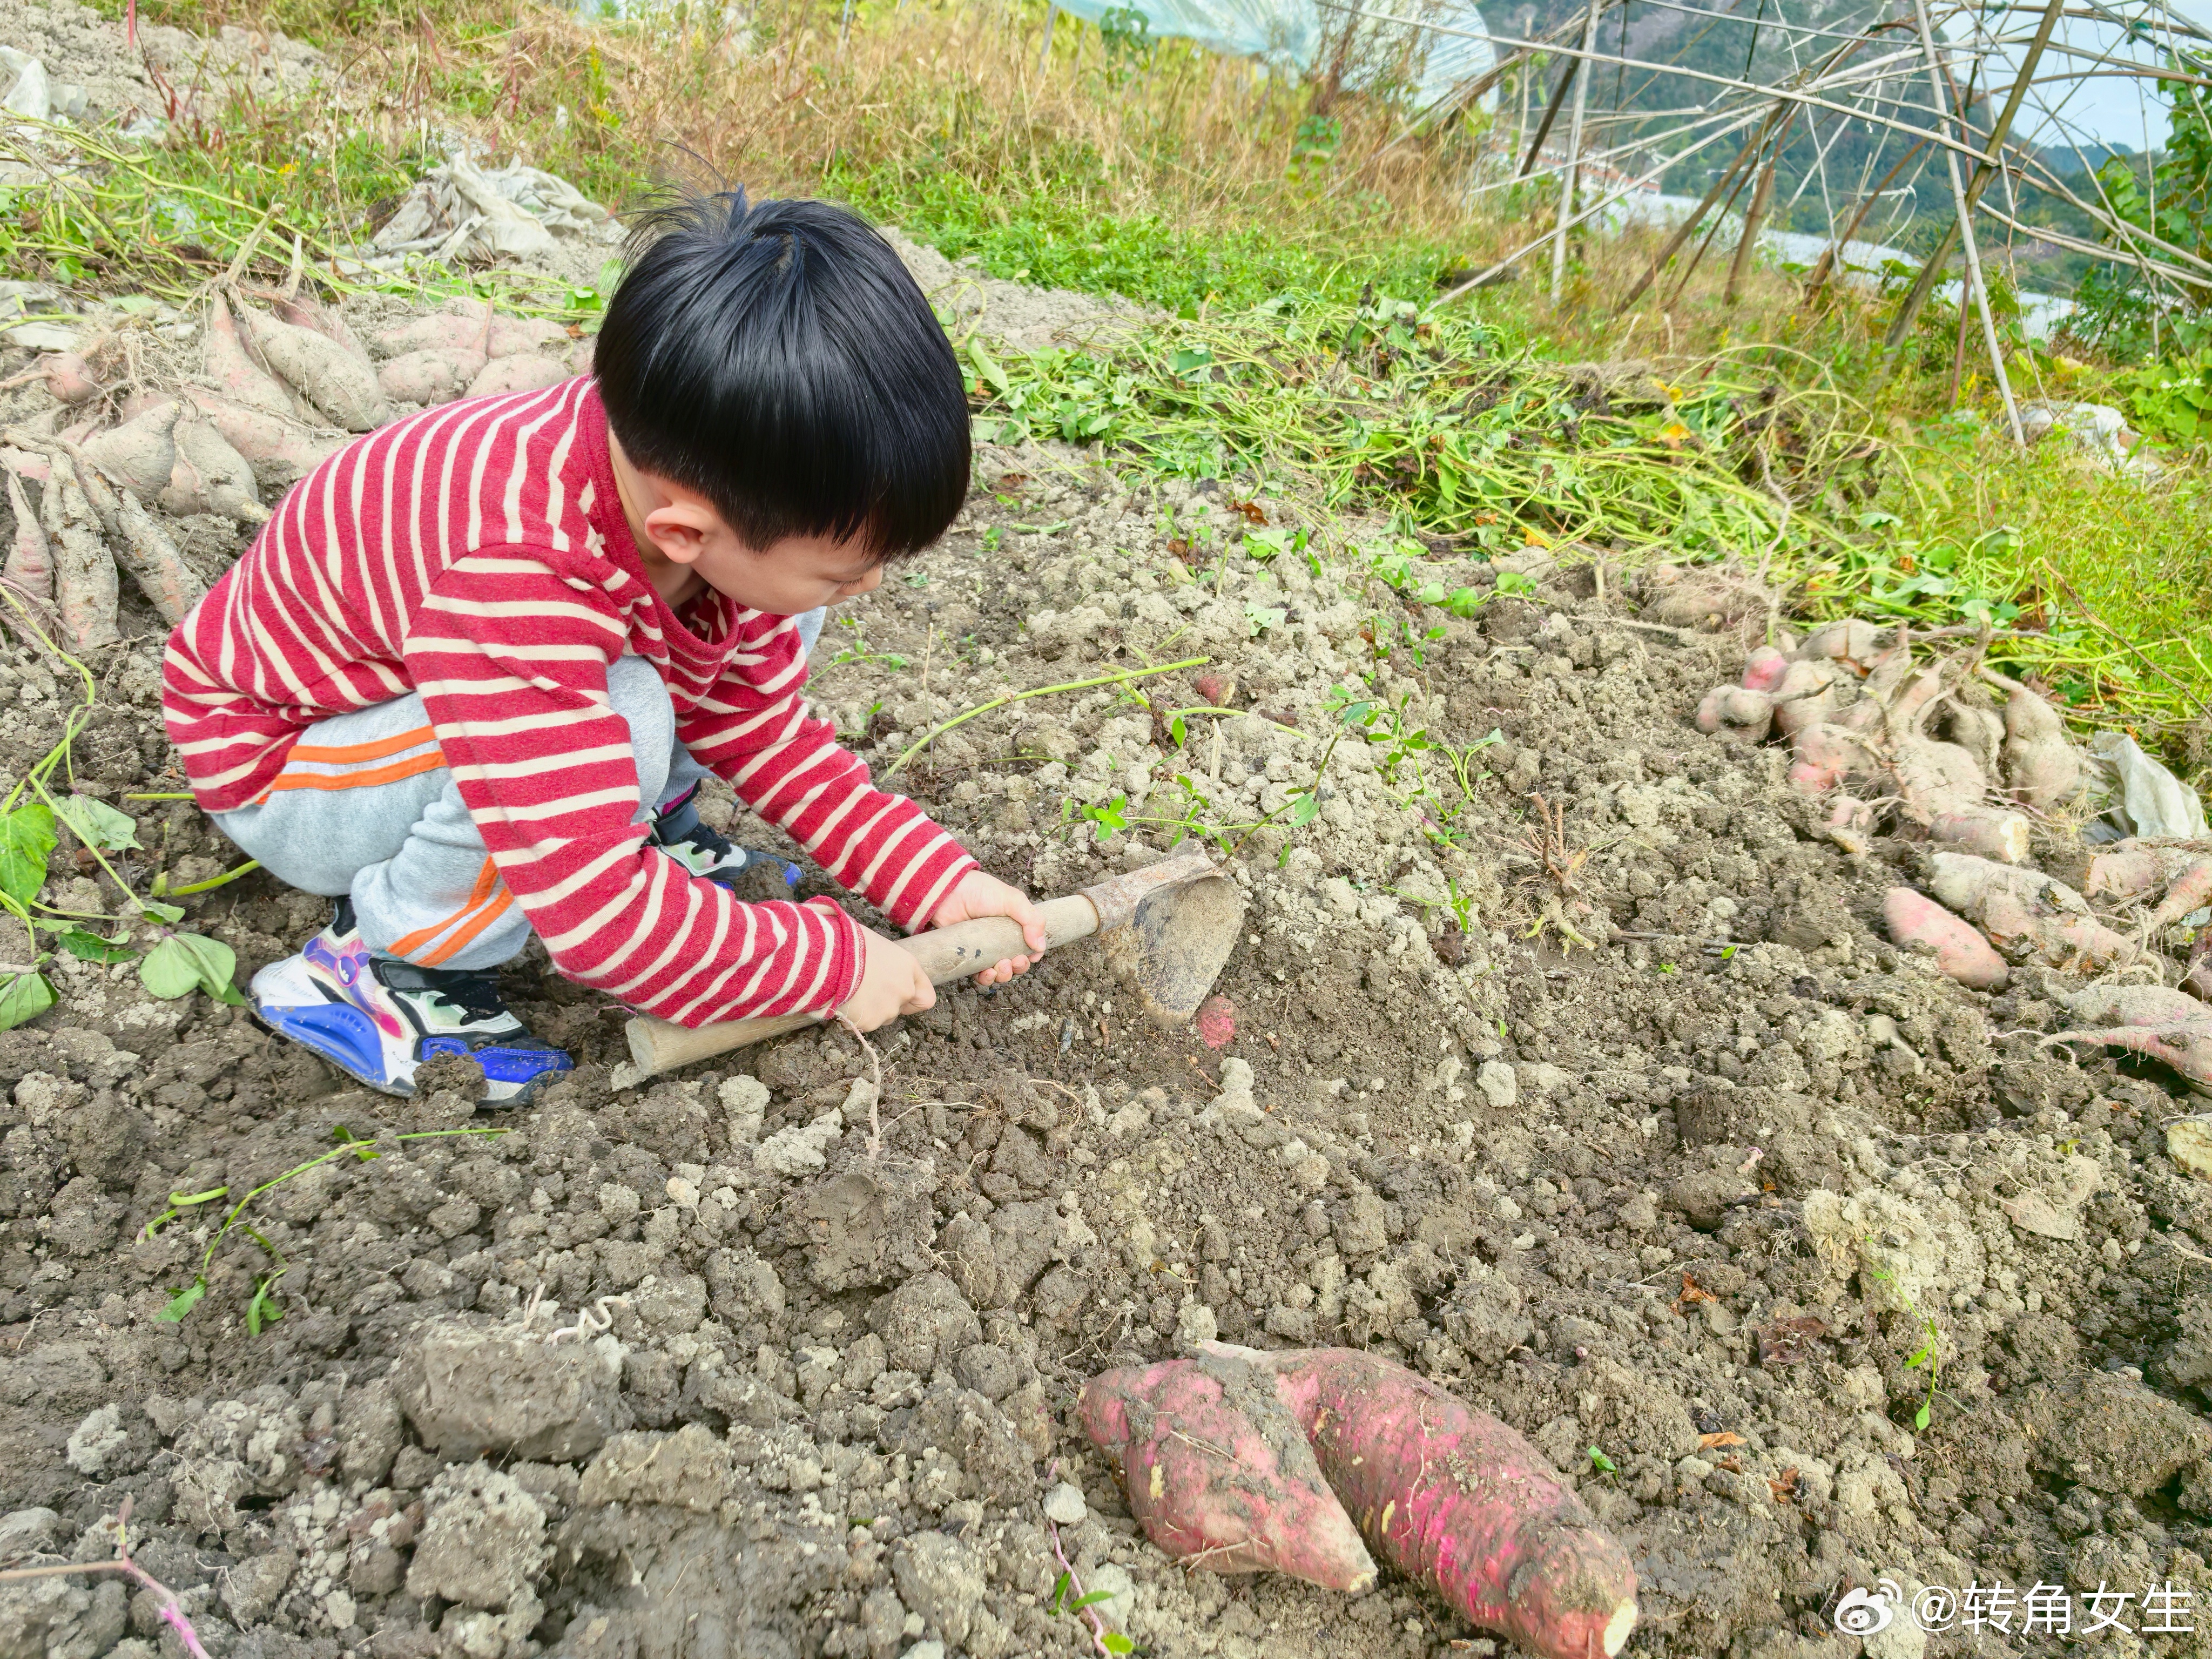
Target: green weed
column 262, row 1308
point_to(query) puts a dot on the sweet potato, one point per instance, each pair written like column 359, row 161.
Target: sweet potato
column 1979, row 731
column 1936, row 778
column 2186, row 1047
column 437, row 375
column 26, row 464
column 2024, row 932
column 2134, row 1004
column 1851, row 644
column 521, row 374
column 2190, row 890
column 302, row 312
column 84, row 574
column 1965, row 883
column 341, row 387
column 2126, row 872
column 282, row 451
column 139, row 453
column 1738, row 714
column 1762, row 669
column 2041, row 767
column 172, row 587
column 1960, row 951
column 1458, row 1502
column 30, row 561
column 235, row 375
column 210, row 475
column 69, row 378
column 1808, row 695
column 516, row 337
column 445, row 331
column 1829, row 757
column 1988, row 832
column 1219, row 1474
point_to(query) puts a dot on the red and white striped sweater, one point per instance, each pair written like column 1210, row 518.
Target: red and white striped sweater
column 477, row 553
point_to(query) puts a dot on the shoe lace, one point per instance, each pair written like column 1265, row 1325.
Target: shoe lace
column 475, row 992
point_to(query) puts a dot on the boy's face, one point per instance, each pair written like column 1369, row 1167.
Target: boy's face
column 792, row 575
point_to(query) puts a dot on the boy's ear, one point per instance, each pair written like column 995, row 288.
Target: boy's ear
column 680, row 529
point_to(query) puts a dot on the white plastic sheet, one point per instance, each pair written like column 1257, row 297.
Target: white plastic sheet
column 1291, row 34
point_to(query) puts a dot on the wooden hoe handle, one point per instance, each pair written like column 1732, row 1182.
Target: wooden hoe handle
column 945, row 953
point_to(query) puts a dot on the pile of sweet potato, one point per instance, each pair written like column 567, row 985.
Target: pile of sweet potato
column 281, row 382
column 1303, row 1461
column 1980, row 768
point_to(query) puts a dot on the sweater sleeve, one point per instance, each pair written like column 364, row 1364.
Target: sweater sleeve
column 512, row 658
column 751, row 727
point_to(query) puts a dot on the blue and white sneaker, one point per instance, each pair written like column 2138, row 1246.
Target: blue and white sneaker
column 679, row 831
column 377, row 1018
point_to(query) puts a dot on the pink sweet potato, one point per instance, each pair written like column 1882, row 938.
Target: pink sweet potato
column 2041, row 765
column 340, row 386
column 303, row 311
column 141, row 548
column 1762, row 669
column 1738, row 714
column 1219, row 1474
column 1987, row 832
column 434, row 375
column 2135, row 1004
column 282, row 451
column 2127, row 872
column 1852, row 644
column 1960, row 952
column 519, row 373
column 69, row 378
column 140, row 452
column 1828, row 756
column 2190, row 890
column 30, row 561
column 84, row 574
column 1808, row 695
column 1459, row 1502
column 1966, row 883
column 210, row 475
column 515, row 336
column 444, row 331
column 234, row 373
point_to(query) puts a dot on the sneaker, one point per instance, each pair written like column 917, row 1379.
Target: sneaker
column 679, row 831
column 377, row 1018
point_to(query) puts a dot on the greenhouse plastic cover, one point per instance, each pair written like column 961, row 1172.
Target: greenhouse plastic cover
column 1289, row 32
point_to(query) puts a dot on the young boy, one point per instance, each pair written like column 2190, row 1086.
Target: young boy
column 468, row 677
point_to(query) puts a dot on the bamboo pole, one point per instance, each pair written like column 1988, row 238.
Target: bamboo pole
column 1044, row 51
column 1568, row 77
column 1832, row 254
column 1984, row 170
column 1761, row 194
column 1573, row 177
column 1688, row 228
column 1976, row 285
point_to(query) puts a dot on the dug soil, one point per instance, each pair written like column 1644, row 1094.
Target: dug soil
column 1562, row 1057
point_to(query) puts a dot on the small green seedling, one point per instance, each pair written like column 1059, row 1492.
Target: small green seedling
column 1928, row 1356
column 1601, row 1464
column 1110, row 1641
column 261, row 1308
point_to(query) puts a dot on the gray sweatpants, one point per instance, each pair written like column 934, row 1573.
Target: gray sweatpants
column 366, row 807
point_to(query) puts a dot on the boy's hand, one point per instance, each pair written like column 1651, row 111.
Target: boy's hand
column 892, row 984
column 979, row 894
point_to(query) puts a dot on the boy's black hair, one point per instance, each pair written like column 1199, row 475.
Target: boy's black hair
column 779, row 359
